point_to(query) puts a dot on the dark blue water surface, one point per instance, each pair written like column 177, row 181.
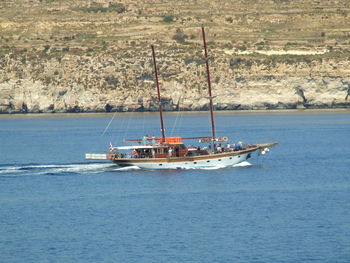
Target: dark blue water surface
column 292, row 205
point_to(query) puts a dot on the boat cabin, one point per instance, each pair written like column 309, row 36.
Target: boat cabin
column 168, row 147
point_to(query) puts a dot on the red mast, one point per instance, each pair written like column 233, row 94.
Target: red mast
column 158, row 91
column 209, row 90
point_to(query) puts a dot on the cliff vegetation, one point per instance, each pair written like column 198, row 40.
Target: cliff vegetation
column 90, row 56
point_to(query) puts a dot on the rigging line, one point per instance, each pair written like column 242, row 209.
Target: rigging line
column 109, row 124
column 136, row 118
column 127, row 126
column 175, row 123
column 180, row 121
column 141, row 120
column 143, row 123
column 122, row 120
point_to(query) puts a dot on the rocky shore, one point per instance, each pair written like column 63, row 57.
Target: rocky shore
column 111, row 82
column 95, row 56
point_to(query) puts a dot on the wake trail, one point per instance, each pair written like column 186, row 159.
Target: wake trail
column 128, row 168
column 243, row 164
column 54, row 169
column 82, row 168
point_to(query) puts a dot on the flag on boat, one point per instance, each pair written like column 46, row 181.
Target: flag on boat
column 110, row 146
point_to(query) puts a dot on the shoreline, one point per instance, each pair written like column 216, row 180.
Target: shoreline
column 125, row 114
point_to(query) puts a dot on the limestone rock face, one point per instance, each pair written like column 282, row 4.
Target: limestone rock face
column 108, row 82
column 94, row 55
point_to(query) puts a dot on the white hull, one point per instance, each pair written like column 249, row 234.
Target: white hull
column 173, row 163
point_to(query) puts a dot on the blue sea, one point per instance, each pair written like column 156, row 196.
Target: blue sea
column 291, row 205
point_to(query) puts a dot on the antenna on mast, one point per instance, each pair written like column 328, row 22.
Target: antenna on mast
column 209, row 90
column 158, row 92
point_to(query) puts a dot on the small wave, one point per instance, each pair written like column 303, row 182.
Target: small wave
column 128, row 168
column 131, row 168
column 79, row 168
column 242, row 164
column 8, row 170
column 209, row 168
column 54, row 169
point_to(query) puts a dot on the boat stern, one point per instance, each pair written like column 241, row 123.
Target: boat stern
column 99, row 156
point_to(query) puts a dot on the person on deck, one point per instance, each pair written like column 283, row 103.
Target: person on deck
column 153, row 140
column 144, row 140
column 238, row 146
column 134, row 154
column 219, row 148
column 170, row 152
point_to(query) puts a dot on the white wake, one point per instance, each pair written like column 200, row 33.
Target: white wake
column 127, row 168
column 242, row 164
column 54, row 169
column 57, row 169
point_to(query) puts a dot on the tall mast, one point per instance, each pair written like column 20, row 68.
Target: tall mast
column 209, row 90
column 158, row 91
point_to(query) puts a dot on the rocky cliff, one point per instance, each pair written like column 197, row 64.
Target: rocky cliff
column 92, row 56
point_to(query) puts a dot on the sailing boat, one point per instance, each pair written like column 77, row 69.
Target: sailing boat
column 171, row 152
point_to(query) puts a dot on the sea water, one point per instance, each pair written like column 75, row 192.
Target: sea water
column 291, row 205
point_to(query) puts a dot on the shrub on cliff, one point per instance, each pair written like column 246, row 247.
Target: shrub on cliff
column 168, row 19
column 180, row 36
column 111, row 82
column 116, row 7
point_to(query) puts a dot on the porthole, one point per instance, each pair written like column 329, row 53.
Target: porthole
column 239, row 156
column 160, row 164
column 208, row 161
column 230, row 158
column 194, row 162
column 219, row 160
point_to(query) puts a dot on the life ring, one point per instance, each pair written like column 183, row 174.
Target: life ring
column 223, row 139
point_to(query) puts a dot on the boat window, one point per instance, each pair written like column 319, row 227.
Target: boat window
column 195, row 162
column 219, row 160
column 160, row 164
column 208, row 161
column 182, row 147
